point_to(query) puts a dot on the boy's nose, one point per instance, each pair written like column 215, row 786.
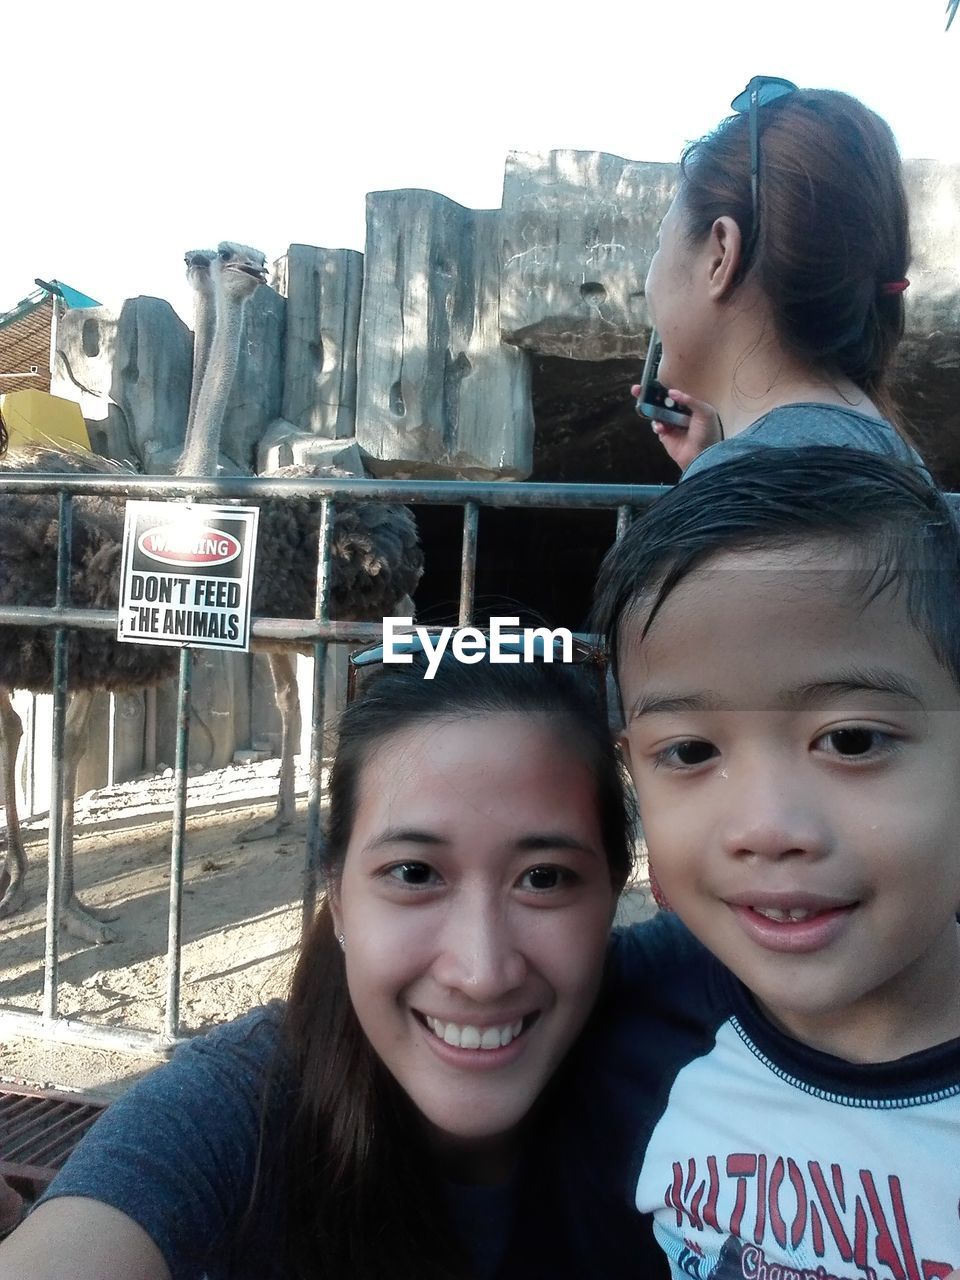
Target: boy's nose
column 479, row 952
column 772, row 814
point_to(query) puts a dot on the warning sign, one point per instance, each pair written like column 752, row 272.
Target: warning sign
column 187, row 574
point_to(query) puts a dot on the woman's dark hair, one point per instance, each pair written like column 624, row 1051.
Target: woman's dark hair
column 365, row 1200
column 834, row 226
column 4, row 438
column 770, row 498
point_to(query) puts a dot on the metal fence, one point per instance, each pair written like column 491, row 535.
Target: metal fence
column 318, row 632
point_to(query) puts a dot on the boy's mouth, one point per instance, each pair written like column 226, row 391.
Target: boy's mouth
column 786, row 913
column 789, row 905
column 795, row 923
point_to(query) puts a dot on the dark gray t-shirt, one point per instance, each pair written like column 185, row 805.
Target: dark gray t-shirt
column 178, row 1153
column 794, row 425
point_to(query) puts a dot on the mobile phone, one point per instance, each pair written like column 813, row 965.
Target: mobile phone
column 654, row 401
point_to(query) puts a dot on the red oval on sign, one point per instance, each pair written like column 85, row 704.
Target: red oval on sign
column 189, row 545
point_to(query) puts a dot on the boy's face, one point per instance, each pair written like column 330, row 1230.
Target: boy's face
column 796, row 753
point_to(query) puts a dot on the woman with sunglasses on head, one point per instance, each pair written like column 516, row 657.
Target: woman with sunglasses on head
column 382, row 1122
column 778, row 279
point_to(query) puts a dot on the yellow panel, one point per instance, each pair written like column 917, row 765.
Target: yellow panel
column 36, row 417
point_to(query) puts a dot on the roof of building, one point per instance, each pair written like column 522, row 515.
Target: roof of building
column 25, row 335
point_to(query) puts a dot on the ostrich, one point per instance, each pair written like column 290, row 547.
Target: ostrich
column 198, row 273
column 376, row 559
column 28, row 564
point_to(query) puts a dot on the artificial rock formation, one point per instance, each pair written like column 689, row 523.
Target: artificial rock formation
column 130, row 373
column 322, row 288
column 438, row 395
column 578, row 229
column 434, row 352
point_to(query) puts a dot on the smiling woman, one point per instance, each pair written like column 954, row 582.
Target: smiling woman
column 478, row 839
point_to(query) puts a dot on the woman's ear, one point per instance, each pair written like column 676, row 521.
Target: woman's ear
column 333, row 898
column 724, row 254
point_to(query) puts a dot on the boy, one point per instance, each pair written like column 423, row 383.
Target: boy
column 781, row 1090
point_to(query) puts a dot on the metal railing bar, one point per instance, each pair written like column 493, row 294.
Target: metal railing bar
column 51, row 963
column 171, row 1025
column 75, row 1031
column 313, row 849
column 294, row 630
column 30, row 757
column 486, row 493
column 468, row 561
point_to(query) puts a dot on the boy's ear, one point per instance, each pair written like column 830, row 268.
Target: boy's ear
column 724, row 253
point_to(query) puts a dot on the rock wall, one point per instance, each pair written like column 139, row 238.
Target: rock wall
column 577, row 231
column 439, row 394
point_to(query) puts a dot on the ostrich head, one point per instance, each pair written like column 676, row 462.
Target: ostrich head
column 198, row 267
column 236, row 271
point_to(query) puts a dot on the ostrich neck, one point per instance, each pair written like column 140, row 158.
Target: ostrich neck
column 203, row 321
column 202, row 446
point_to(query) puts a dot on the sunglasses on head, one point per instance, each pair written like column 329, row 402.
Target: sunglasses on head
column 761, row 91
column 526, row 647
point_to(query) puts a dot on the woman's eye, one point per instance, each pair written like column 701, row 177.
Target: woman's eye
column 547, row 877
column 415, row 874
column 855, row 741
column 687, row 754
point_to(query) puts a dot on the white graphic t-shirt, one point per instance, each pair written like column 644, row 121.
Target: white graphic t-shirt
column 753, row 1156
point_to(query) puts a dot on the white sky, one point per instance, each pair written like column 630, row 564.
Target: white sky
column 135, row 131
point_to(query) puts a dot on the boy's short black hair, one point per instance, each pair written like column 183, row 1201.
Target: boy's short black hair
column 773, row 497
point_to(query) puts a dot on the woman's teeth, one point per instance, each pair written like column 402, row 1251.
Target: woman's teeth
column 472, row 1037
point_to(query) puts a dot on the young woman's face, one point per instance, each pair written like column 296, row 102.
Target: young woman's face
column 676, row 303
column 475, row 904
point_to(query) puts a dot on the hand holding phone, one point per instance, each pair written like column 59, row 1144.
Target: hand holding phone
column 654, row 400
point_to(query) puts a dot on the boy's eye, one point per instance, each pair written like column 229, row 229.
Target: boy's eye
column 687, row 754
column 546, row 877
column 415, row 874
column 855, row 741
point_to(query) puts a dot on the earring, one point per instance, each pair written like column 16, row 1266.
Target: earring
column 343, row 942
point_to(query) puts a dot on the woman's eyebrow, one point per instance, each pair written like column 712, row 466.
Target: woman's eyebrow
column 552, row 840
column 405, row 835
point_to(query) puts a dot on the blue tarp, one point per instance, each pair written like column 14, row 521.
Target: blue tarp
column 73, row 297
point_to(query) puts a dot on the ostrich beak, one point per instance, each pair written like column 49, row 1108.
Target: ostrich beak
column 258, row 273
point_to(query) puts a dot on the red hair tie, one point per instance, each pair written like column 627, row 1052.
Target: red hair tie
column 894, row 286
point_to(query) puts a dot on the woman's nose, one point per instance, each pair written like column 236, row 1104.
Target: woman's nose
column 479, row 950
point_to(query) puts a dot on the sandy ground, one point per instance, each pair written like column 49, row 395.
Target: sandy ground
column 241, row 921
